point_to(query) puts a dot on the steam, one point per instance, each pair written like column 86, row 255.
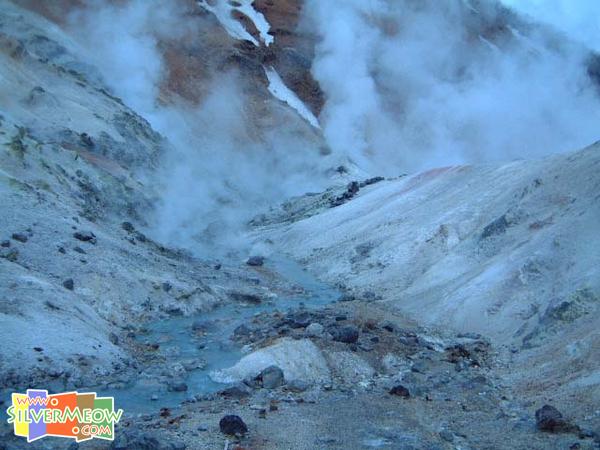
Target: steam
column 220, row 171
column 411, row 85
column 408, row 84
column 579, row 19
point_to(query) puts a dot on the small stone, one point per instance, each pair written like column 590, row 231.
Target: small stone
column 80, row 250
column 232, row 425
column 348, row 334
column 62, row 250
column 5, row 244
column 178, row 387
column 38, row 349
column 262, row 414
column 166, row 286
column 85, row 236
column 255, row 261
column 271, row 377
column 400, row 391
column 217, row 266
column 297, row 386
column 447, row 436
column 549, row 419
column 128, row 226
column 237, row 391
column 21, row 237
column 314, row 330
column 113, row 338
column 154, row 397
column 69, row 284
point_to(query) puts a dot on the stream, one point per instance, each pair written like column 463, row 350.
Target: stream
column 181, row 344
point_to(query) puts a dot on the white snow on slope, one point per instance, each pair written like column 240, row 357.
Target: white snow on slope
column 278, row 88
column 223, row 10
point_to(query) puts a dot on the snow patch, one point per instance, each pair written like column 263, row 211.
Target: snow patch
column 278, row 88
column 223, row 10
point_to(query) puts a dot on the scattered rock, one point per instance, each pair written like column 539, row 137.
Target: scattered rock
column 113, row 338
column 245, row 298
column 237, row 391
column 400, row 391
column 549, row 419
column 69, row 284
column 347, row 334
column 5, row 244
column 299, row 319
column 351, row 190
column 21, row 237
column 178, row 387
column 255, row 261
column 297, row 386
column 128, row 226
column 85, row 236
column 271, row 377
column 232, row 425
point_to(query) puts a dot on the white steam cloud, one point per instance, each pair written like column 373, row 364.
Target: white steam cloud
column 218, row 174
column 409, row 85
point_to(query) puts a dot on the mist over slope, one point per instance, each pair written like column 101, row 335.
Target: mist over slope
column 397, row 87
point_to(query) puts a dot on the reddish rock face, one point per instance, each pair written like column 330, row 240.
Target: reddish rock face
column 293, row 50
column 192, row 60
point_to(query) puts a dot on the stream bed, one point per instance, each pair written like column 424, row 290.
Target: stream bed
column 202, row 343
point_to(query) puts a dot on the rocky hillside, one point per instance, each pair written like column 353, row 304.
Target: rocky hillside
column 453, row 308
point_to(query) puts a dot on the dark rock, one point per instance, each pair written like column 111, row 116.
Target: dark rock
column 271, row 377
column 388, row 326
column 496, row 227
column 62, row 250
column 69, row 284
column 297, row 385
column 21, row 237
column 113, row 338
column 370, row 181
column 245, row 298
column 85, row 236
column 5, row 244
column 232, row 425
column 128, row 226
column 550, row 420
column 166, row 286
column 236, row 391
column 351, row 190
column 38, row 349
column 80, row 250
column 256, row 261
column 348, row 334
column 400, row 391
column 217, row 266
column 300, row 319
column 178, row 387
